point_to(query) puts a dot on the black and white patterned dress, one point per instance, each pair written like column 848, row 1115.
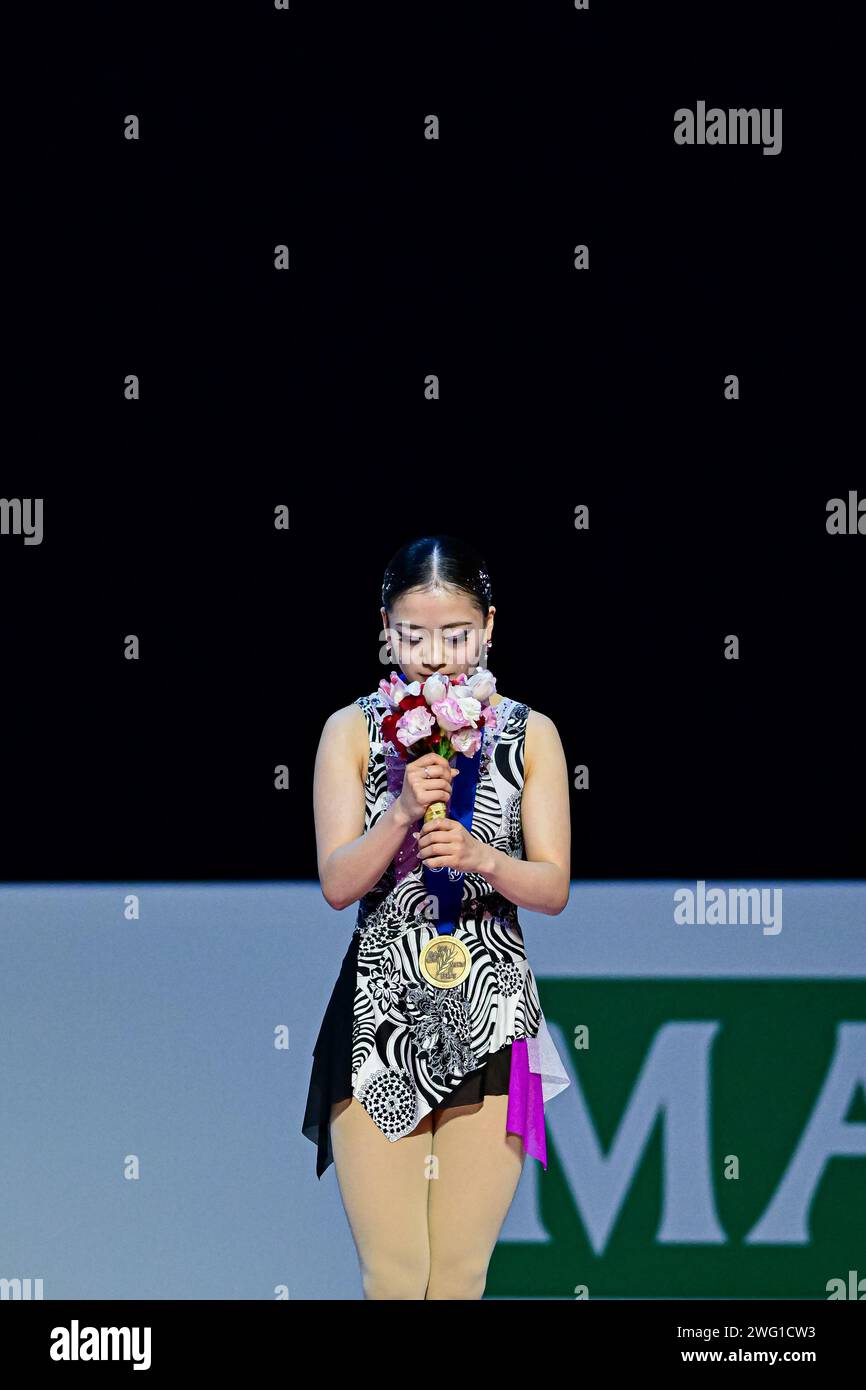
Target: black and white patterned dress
column 401, row 1046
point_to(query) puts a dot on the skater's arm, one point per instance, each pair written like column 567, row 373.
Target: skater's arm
column 350, row 861
column 541, row 881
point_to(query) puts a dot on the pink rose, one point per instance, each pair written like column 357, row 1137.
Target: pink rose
column 415, row 724
column 450, row 714
column 394, row 689
column 466, row 741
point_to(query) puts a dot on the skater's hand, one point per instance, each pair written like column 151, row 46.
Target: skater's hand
column 419, row 791
column 445, row 843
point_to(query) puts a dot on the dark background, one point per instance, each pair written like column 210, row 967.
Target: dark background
column 558, row 388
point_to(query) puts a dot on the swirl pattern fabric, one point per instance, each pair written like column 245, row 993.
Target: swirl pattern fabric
column 413, row 1044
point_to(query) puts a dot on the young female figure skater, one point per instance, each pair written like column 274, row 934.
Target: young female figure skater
column 427, row 1099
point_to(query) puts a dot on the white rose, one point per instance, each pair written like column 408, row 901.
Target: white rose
column 482, row 684
column 470, row 706
column 435, row 688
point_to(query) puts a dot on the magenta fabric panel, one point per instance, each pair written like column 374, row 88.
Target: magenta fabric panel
column 406, row 859
column 526, row 1104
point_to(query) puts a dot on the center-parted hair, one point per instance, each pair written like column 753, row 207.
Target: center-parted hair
column 430, row 561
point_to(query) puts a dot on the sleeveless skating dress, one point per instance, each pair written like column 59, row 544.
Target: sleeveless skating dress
column 401, row 1046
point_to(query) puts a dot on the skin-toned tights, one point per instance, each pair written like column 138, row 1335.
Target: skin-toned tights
column 426, row 1210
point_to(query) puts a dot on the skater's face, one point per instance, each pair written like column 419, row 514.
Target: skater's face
column 437, row 632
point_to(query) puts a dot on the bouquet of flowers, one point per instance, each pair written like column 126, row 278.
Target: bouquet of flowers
column 441, row 716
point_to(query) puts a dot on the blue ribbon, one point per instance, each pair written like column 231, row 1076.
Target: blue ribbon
column 446, row 884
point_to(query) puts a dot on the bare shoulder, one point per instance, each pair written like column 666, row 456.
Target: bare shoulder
column 542, row 739
column 346, row 731
column 349, row 721
column 541, row 726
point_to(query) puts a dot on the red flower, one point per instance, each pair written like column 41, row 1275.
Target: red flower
column 389, row 725
column 389, row 732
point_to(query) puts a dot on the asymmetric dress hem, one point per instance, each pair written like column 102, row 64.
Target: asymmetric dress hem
column 398, row 1044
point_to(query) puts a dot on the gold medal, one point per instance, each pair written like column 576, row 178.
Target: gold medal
column 444, row 961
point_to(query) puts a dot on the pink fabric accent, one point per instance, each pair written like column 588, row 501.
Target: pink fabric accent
column 526, row 1104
